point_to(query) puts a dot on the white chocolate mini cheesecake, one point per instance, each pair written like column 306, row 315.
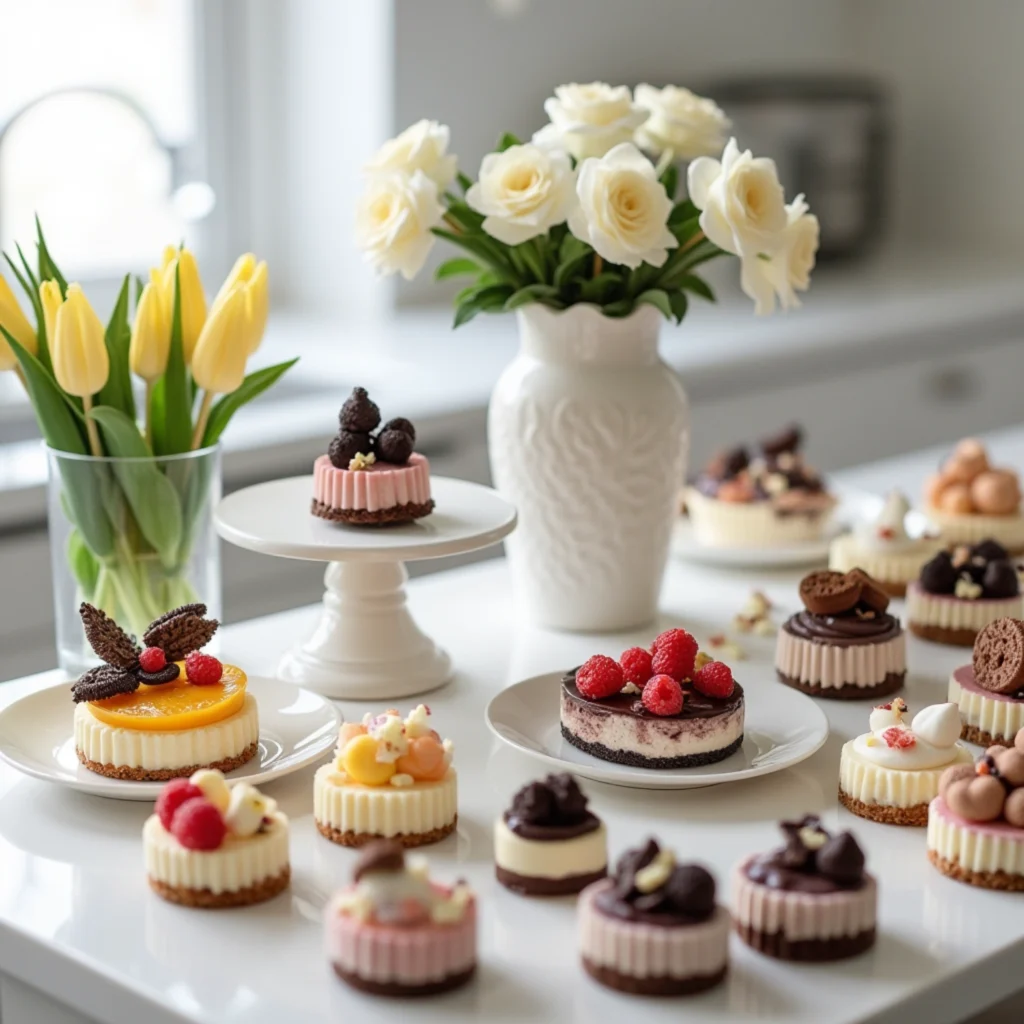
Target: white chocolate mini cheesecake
column 892, row 773
column 390, row 779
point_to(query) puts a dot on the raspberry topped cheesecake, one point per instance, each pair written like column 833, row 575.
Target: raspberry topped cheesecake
column 163, row 711
column 368, row 478
column 669, row 707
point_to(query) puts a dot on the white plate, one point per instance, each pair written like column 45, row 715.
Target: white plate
column 297, row 728
column 783, row 728
column 782, row 556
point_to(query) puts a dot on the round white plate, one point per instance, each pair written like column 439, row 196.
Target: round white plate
column 783, row 728
column 782, row 556
column 297, row 728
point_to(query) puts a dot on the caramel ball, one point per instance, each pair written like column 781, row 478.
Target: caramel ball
column 1013, row 810
column 933, row 488
column 1010, row 765
column 977, row 799
column 966, row 462
column 956, row 498
column 996, row 492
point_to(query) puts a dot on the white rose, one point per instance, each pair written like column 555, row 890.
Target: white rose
column 421, row 147
column 393, row 222
column 788, row 269
column 688, row 124
column 742, row 202
column 523, row 192
column 589, row 120
column 623, row 209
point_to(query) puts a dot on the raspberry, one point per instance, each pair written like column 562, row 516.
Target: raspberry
column 636, row 665
column 674, row 652
column 599, row 676
column 171, row 797
column 203, row 669
column 662, row 696
column 198, row 825
column 714, row 680
column 152, row 659
column 901, row 739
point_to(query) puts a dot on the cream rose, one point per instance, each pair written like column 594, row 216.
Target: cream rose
column 623, row 209
column 393, row 221
column 421, row 147
column 589, row 120
column 523, row 192
column 681, row 121
column 742, row 202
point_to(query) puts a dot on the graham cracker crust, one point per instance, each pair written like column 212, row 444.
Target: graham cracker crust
column 527, row 885
column 1001, row 880
column 916, row 816
column 130, row 774
column 204, row 899
column 634, row 760
column 380, row 517
column 943, row 634
column 848, row 691
column 657, row 985
column 807, row 950
column 972, row 734
column 406, row 839
column 393, row 988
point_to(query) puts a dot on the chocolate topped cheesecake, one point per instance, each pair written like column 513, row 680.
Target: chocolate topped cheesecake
column 548, row 843
column 843, row 644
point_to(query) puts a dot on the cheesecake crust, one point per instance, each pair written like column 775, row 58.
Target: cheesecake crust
column 776, row 944
column 635, row 760
column 915, row 816
column 848, row 691
column 406, row 839
column 1000, row 880
column 655, row 985
column 393, row 988
column 128, row 773
column 377, row 517
column 205, row 899
column 943, row 634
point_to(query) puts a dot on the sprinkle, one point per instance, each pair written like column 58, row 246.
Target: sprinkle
column 360, row 461
column 630, row 688
column 400, row 780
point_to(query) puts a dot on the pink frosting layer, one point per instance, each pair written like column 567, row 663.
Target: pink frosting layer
column 377, row 487
column 964, row 675
column 651, row 951
column 413, row 955
column 833, row 666
column 997, row 829
column 800, row 916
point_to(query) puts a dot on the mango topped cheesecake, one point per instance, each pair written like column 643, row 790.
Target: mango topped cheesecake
column 163, row 711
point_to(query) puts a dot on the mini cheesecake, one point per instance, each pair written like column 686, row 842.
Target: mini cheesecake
column 547, row 843
column 811, row 900
column 655, row 928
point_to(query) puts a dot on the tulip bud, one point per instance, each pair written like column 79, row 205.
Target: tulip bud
column 51, row 300
column 151, row 335
column 13, row 321
column 258, row 306
column 241, row 273
column 218, row 363
column 79, row 353
column 193, row 299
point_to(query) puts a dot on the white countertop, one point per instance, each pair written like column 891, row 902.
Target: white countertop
column 76, row 916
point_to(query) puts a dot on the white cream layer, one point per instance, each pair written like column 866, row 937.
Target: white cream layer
column 154, row 750
column 383, row 810
column 755, row 524
column 560, row 858
column 975, row 846
column 236, row 864
column 892, row 787
column 1000, row 716
column 831, row 665
column 898, row 562
column 947, row 612
column 970, row 528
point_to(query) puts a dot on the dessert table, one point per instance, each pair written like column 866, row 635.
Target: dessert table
column 82, row 937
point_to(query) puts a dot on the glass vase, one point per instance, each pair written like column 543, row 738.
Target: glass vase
column 134, row 537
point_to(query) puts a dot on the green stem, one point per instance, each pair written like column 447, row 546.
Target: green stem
column 149, row 422
column 91, row 429
column 203, row 419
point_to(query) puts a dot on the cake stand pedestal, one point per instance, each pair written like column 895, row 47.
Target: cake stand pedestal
column 367, row 645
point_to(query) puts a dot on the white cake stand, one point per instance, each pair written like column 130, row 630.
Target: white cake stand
column 366, row 645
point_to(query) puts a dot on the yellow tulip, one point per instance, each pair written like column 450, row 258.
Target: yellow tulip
column 151, row 335
column 13, row 321
column 193, row 298
column 258, row 307
column 79, row 353
column 218, row 363
column 51, row 299
column 241, row 273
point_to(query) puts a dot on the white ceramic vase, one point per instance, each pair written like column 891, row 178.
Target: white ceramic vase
column 589, row 434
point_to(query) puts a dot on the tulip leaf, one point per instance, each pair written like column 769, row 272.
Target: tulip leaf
column 43, row 349
column 84, row 565
column 151, row 496
column 170, row 410
column 226, row 407
column 658, row 299
column 117, row 392
column 47, row 268
column 457, row 267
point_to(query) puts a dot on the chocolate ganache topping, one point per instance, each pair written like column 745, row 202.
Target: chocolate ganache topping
column 812, row 861
column 981, row 572
column 695, row 703
column 650, row 887
column 842, row 609
column 553, row 809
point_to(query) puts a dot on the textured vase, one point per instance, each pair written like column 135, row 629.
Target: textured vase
column 589, row 433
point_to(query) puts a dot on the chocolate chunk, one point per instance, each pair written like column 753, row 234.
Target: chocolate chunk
column 167, row 674
column 102, row 682
column 393, row 446
column 534, row 803
column 871, row 594
column 841, row 859
column 728, row 464
column 830, row 593
column 939, row 575
column 400, row 423
column 989, row 551
column 787, row 440
column 346, row 446
column 110, row 642
column 691, row 891
column 1000, row 579
column 382, row 855
column 797, row 854
column 570, row 802
column 999, row 656
column 359, row 414
column 630, row 863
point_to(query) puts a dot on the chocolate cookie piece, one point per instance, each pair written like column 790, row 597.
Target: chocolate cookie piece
column 102, row 682
column 999, row 656
column 872, row 594
column 167, row 674
column 830, row 593
column 787, row 440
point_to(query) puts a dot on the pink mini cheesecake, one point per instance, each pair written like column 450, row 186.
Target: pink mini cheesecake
column 369, row 478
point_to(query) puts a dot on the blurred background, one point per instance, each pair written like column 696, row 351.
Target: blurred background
column 242, row 124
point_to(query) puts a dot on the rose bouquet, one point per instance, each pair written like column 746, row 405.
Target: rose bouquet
column 583, row 214
column 136, row 496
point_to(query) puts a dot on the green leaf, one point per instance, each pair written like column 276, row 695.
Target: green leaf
column 657, row 298
column 641, row 278
column 479, row 245
column 171, row 411
column 602, row 288
column 465, row 215
column 254, row 384
column 151, row 496
column 465, row 182
column 531, row 293
column 457, row 267
column 117, row 392
column 670, row 179
column 84, row 565
column 569, row 268
column 47, row 268
column 484, row 300
column 677, row 300
column 533, row 261
column 697, row 285
column 139, row 285
column 683, row 212
column 507, row 141
column 43, row 349
column 623, row 307
column 571, row 248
